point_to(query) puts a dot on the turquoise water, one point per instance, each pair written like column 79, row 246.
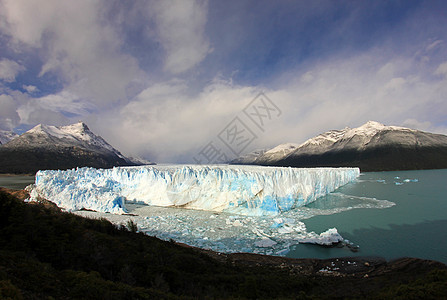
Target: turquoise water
column 416, row 226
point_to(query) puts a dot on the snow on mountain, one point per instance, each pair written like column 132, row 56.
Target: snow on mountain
column 283, row 149
column 6, row 136
column 77, row 133
column 59, row 147
column 245, row 190
column 368, row 146
column 329, row 137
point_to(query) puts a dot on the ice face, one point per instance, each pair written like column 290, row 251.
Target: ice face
column 243, row 190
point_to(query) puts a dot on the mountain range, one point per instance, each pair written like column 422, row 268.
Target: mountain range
column 371, row 147
column 64, row 147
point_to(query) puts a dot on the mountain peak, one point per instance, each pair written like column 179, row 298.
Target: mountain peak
column 39, row 129
column 59, row 147
column 76, row 129
column 373, row 124
column 81, row 125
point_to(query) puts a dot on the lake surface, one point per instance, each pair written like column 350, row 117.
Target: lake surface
column 415, row 226
column 15, row 182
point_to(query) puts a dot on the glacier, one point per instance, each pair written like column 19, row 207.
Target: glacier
column 241, row 190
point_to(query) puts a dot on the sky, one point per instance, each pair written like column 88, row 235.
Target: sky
column 184, row 80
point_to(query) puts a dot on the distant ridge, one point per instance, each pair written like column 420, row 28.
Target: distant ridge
column 371, row 147
column 53, row 147
column 6, row 136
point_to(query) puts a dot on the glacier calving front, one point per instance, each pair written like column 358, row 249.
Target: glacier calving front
column 245, row 190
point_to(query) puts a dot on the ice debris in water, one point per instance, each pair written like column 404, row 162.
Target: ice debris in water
column 223, row 232
column 411, row 180
column 265, row 242
column 327, row 238
column 406, row 181
column 245, row 190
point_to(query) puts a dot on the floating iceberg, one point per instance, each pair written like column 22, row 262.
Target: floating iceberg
column 243, row 190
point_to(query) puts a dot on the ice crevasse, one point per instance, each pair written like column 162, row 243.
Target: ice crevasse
column 245, row 190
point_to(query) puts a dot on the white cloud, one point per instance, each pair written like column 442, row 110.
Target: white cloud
column 30, row 88
column 27, row 21
column 153, row 115
column 8, row 114
column 424, row 126
column 53, row 109
column 168, row 123
column 415, row 124
column 433, row 45
column 181, row 29
column 76, row 42
column 396, row 83
column 9, row 70
column 442, row 69
column 81, row 44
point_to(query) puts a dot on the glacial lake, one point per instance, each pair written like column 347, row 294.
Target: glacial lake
column 16, row 182
column 415, row 226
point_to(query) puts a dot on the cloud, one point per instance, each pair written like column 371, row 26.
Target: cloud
column 424, row 126
column 76, row 42
column 442, row 69
column 8, row 114
column 415, row 124
column 59, row 108
column 373, row 85
column 168, row 123
column 433, row 45
column 30, row 88
column 9, row 70
column 181, row 30
column 26, row 21
column 141, row 73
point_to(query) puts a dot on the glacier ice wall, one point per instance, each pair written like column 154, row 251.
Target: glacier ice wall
column 245, row 190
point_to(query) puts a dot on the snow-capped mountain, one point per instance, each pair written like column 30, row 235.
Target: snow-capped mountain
column 372, row 147
column 6, row 136
column 77, row 134
column 280, row 151
column 54, row 147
